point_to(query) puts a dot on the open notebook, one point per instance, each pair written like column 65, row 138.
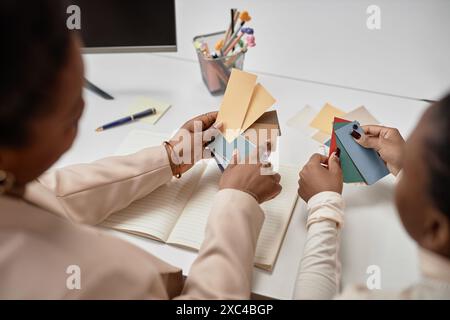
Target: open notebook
column 176, row 213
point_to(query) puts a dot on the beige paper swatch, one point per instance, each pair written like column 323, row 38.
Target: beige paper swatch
column 362, row 115
column 145, row 103
column 235, row 103
column 261, row 101
column 324, row 119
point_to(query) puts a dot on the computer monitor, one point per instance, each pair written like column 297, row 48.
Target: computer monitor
column 118, row 26
column 113, row 26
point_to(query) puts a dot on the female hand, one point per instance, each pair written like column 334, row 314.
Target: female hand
column 388, row 142
column 187, row 146
column 251, row 177
column 315, row 178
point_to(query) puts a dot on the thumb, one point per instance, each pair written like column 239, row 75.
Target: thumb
column 334, row 165
column 366, row 141
column 211, row 133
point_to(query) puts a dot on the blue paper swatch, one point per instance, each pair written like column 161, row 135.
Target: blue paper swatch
column 223, row 150
column 368, row 162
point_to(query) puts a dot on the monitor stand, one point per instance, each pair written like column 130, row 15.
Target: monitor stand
column 92, row 87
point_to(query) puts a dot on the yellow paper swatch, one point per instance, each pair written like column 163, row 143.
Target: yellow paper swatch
column 235, row 103
column 261, row 101
column 324, row 119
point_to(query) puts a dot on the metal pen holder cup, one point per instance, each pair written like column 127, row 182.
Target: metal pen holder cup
column 216, row 71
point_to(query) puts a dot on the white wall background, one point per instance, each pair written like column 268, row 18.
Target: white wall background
column 328, row 41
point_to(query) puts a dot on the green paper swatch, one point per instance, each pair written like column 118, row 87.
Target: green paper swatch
column 350, row 172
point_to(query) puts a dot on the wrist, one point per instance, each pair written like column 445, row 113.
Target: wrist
column 324, row 197
column 241, row 190
column 243, row 193
column 176, row 172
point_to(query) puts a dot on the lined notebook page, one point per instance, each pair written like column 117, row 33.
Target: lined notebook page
column 278, row 214
column 190, row 227
column 154, row 215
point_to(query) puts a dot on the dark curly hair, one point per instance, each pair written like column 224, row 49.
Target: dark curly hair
column 438, row 158
column 35, row 44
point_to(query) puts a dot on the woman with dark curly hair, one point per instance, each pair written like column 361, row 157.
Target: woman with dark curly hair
column 41, row 82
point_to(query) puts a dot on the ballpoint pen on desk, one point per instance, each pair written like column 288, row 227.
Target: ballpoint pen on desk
column 128, row 119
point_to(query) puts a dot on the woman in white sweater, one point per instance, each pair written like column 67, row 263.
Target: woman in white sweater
column 422, row 167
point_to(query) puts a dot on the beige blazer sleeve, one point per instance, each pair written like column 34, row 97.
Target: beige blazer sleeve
column 89, row 193
column 320, row 269
column 223, row 269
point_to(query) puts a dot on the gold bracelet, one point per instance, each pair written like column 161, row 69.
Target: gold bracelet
column 172, row 151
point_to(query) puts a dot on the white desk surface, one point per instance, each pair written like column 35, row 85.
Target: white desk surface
column 372, row 234
column 328, row 41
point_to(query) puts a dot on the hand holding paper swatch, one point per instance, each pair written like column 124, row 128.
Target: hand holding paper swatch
column 358, row 163
column 369, row 164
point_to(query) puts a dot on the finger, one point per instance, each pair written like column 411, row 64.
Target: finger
column 392, row 133
column 373, row 130
column 210, row 134
column 318, row 158
column 334, row 165
column 206, row 119
column 369, row 142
